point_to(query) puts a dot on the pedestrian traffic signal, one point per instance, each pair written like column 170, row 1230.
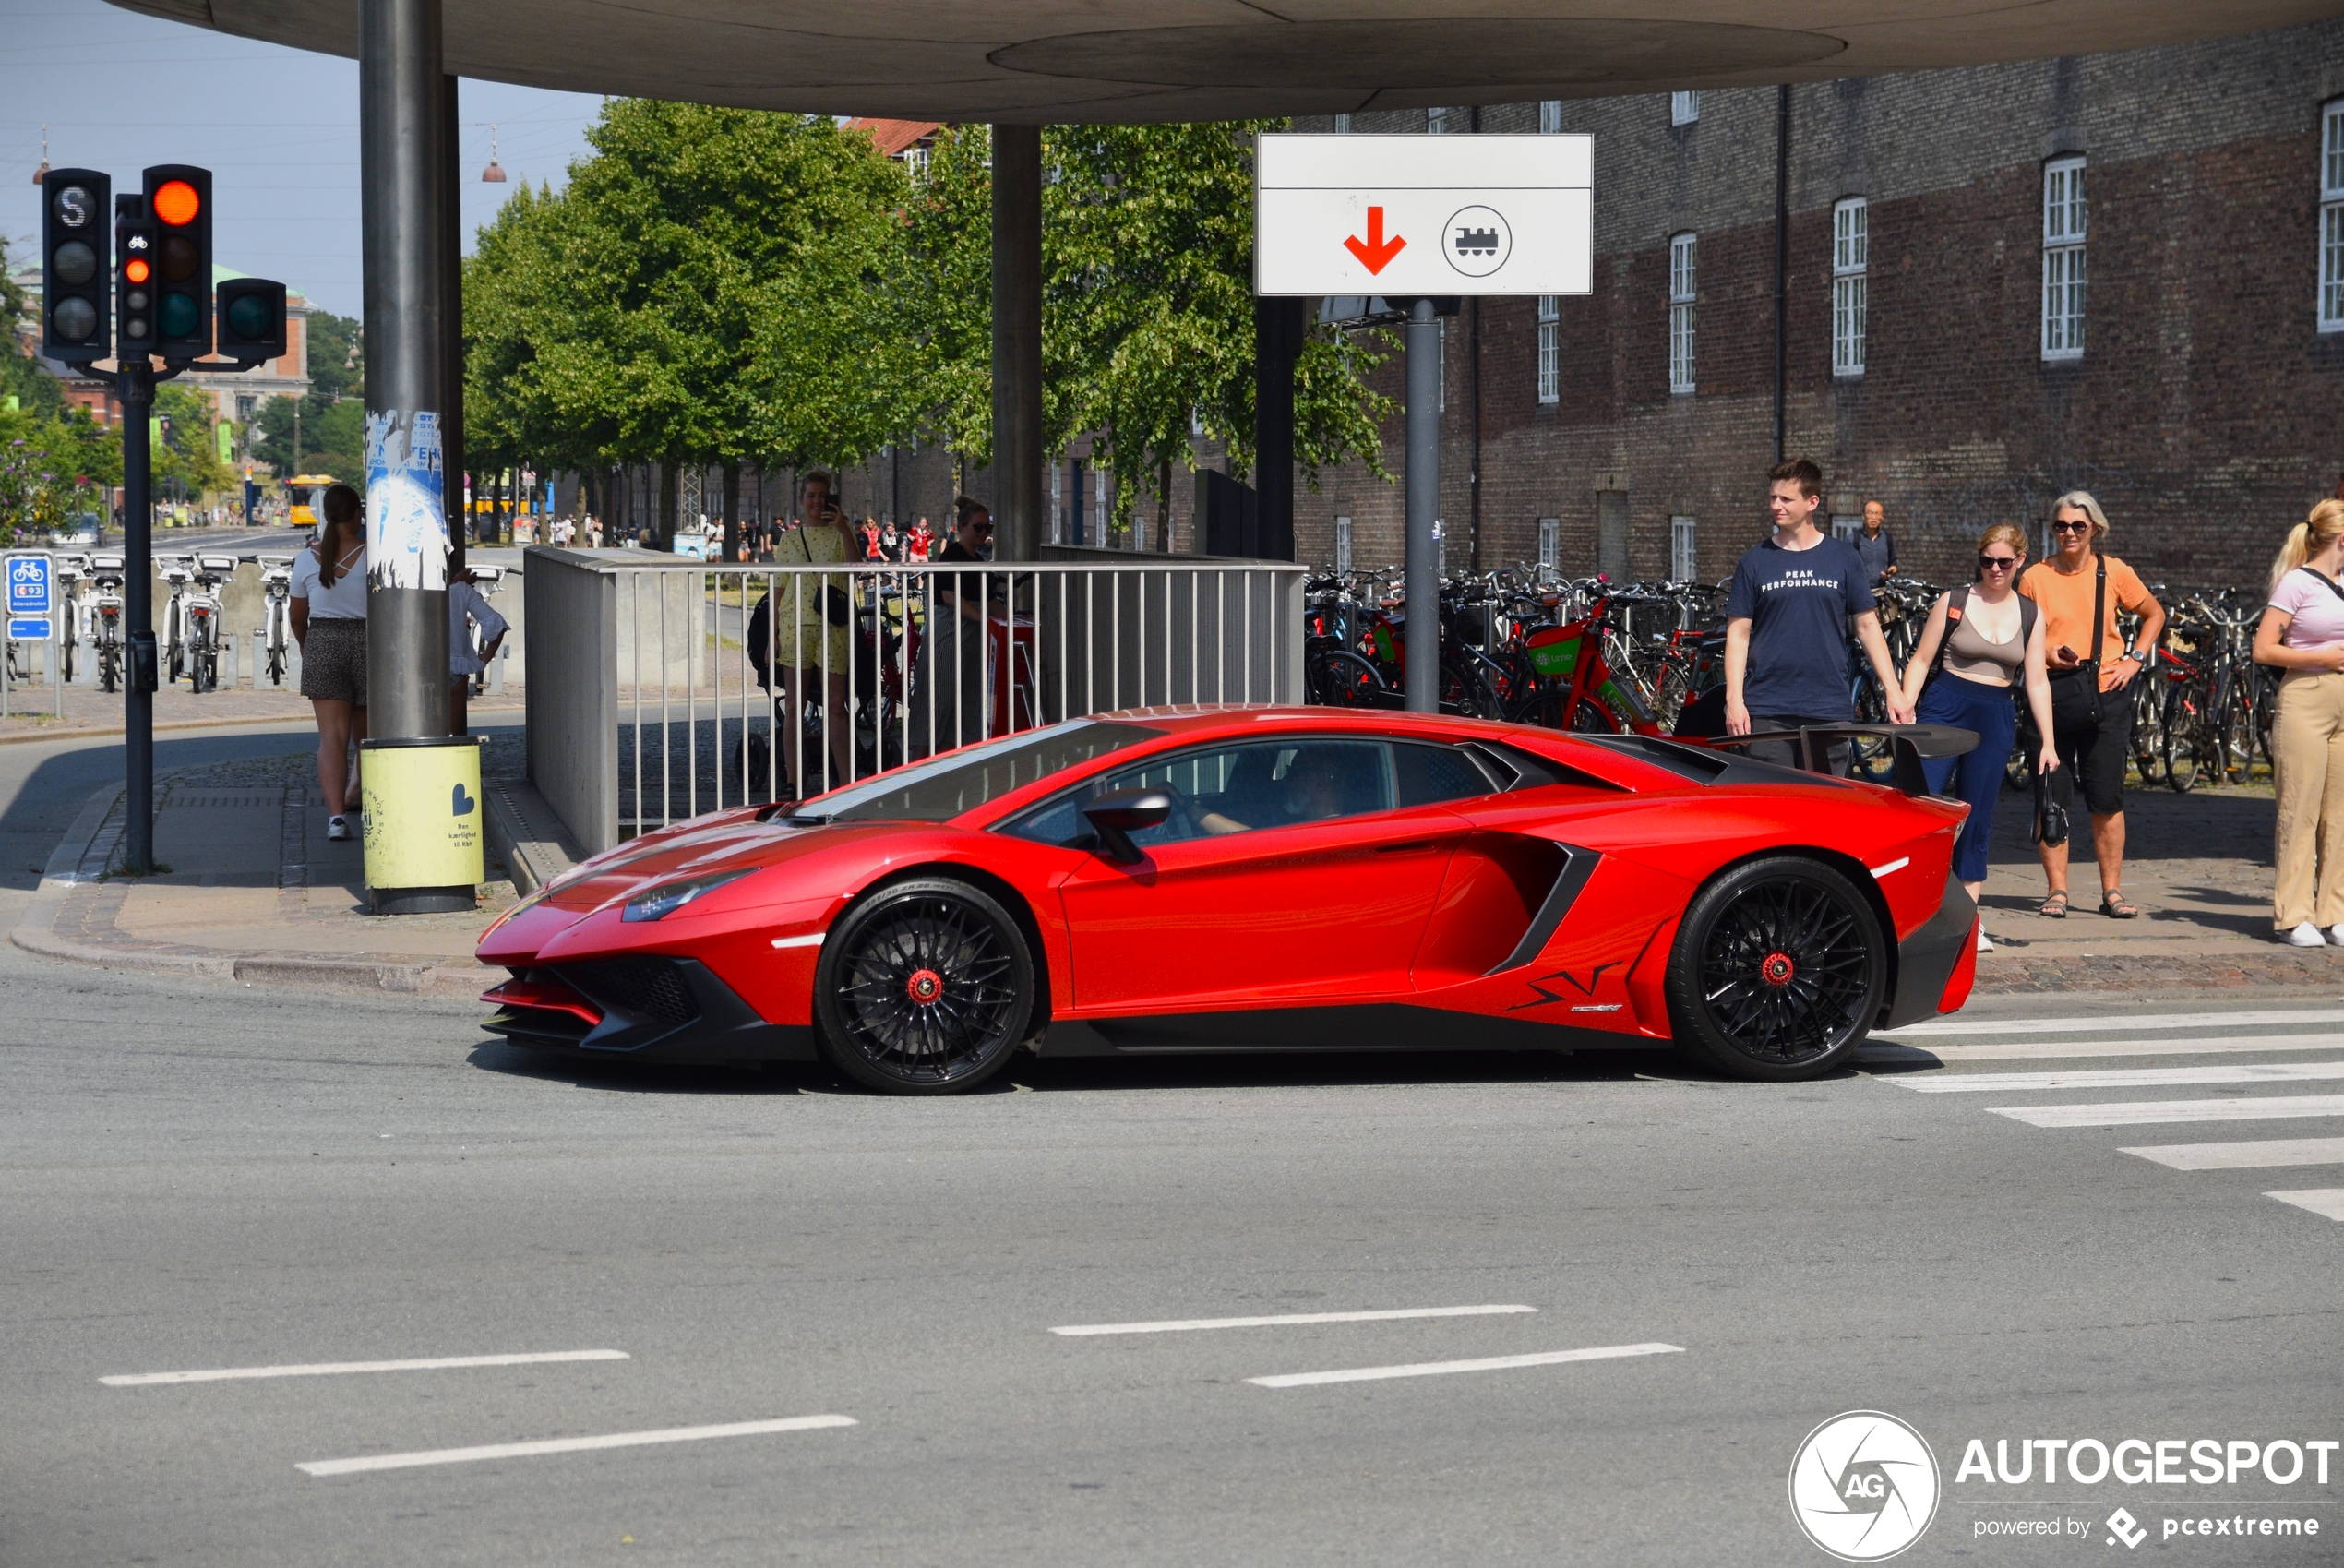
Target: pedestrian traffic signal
column 179, row 208
column 252, row 320
column 75, row 258
column 135, row 246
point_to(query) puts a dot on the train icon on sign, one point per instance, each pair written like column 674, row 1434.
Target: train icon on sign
column 1477, row 241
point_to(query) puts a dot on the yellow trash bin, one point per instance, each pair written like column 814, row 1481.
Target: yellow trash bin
column 424, row 852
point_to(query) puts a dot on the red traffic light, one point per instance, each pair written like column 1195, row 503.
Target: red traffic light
column 176, row 203
column 136, row 270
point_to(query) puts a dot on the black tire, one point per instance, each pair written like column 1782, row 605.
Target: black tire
column 925, row 987
column 1779, row 970
column 1336, row 678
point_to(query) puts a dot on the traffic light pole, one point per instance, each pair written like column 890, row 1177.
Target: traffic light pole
column 136, row 391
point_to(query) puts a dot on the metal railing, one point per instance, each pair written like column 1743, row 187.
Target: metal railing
column 662, row 689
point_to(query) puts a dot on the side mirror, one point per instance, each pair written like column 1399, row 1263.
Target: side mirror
column 1117, row 816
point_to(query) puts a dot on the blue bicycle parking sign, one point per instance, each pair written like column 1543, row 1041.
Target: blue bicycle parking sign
column 32, row 587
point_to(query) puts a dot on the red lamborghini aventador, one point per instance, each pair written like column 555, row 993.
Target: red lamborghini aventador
column 1259, row 878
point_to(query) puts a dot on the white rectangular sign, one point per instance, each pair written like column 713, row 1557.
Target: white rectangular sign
column 1408, row 215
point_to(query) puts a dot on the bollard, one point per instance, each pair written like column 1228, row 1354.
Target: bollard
column 422, row 822
column 496, row 672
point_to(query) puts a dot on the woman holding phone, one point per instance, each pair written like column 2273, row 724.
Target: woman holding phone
column 807, row 622
column 1982, row 643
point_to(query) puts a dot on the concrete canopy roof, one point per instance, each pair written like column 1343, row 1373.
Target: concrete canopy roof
column 1061, row 61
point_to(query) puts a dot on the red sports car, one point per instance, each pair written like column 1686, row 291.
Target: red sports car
column 1259, row 878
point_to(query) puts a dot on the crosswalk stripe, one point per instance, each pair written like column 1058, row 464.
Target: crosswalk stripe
column 2325, row 1201
column 2132, row 1021
column 2123, row 1077
column 2256, row 1155
column 1879, row 1051
column 2129, row 1113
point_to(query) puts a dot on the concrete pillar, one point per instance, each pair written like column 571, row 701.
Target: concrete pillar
column 1017, row 343
column 401, row 118
column 1423, row 482
column 1277, row 344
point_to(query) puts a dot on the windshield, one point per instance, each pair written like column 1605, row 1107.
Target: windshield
column 940, row 789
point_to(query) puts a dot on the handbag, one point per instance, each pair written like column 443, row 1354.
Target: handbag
column 837, row 607
column 2075, row 694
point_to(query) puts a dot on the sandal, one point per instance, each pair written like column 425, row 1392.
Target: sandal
column 2055, row 905
column 2113, row 906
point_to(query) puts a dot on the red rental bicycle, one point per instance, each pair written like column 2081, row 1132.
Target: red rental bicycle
column 1574, row 686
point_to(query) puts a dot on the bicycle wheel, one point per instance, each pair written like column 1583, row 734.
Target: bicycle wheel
column 2183, row 729
column 109, row 666
column 2238, row 736
column 2149, row 730
column 1465, row 694
column 1336, row 678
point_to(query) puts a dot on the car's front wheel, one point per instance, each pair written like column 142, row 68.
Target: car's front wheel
column 925, row 987
column 1778, row 969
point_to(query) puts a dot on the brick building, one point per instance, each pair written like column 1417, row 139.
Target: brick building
column 1942, row 354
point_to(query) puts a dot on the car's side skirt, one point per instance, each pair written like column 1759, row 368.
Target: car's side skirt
column 1362, row 1026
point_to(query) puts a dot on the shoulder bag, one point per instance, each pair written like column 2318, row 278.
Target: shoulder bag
column 837, row 608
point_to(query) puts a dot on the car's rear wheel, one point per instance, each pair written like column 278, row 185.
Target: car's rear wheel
column 925, row 987
column 1778, row 969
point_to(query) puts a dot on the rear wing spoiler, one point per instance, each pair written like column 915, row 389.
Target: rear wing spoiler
column 1908, row 745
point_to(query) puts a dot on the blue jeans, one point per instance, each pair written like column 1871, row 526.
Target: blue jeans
column 1977, row 776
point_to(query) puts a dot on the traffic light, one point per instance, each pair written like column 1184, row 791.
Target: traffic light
column 252, row 320
column 179, row 209
column 75, row 258
column 135, row 252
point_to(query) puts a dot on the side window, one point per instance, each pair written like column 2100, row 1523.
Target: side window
column 1428, row 774
column 1235, row 789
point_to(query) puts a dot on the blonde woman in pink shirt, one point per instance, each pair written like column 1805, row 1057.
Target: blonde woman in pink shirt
column 2302, row 633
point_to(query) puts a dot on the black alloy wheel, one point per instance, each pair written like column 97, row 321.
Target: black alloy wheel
column 925, row 987
column 1779, row 970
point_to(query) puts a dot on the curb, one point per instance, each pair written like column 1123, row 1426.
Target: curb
column 69, row 867
column 22, row 738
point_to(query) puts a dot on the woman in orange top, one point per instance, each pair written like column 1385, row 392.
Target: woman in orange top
column 2091, row 670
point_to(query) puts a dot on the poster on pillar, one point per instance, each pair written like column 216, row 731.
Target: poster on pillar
column 406, row 499
column 1401, row 216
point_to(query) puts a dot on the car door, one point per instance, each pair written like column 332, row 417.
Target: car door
column 1293, row 868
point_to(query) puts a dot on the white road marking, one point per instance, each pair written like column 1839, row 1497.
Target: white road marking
column 331, row 1369
column 1181, row 1325
column 2131, row 1021
column 1483, row 1364
column 566, row 1445
column 811, row 939
column 2132, row 1113
column 1880, row 871
column 2325, row 1201
column 2123, row 1077
column 2065, row 1051
column 2253, row 1156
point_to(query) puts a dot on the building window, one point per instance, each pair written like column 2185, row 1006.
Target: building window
column 1684, row 108
column 1851, row 261
column 1550, row 546
column 2064, row 231
column 1845, row 527
column 1058, row 525
column 1549, row 116
column 916, row 161
column 1684, row 549
column 1681, row 323
column 1343, row 125
column 2332, row 217
column 1550, row 348
column 1342, row 543
column 1436, row 121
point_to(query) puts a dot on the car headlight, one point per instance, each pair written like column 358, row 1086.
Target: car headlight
column 659, row 902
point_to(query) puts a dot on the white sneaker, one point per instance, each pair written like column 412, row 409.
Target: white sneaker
column 2336, row 933
column 1985, row 942
column 337, row 830
column 2305, row 935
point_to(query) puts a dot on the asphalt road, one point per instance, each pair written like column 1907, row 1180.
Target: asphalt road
column 199, row 1176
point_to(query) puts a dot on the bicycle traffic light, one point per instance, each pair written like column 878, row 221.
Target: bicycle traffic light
column 179, row 209
column 76, row 255
column 135, row 252
column 251, row 319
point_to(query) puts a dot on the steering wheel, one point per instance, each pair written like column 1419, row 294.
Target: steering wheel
column 1186, row 811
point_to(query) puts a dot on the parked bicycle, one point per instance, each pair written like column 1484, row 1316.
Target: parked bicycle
column 273, row 637
column 105, row 606
column 73, row 606
column 199, row 615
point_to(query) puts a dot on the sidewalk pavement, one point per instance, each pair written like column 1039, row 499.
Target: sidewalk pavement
column 257, row 893
column 89, row 711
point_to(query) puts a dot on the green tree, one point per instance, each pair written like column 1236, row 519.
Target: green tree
column 336, row 357
column 189, row 452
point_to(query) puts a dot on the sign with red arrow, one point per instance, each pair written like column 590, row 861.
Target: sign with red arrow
column 1398, row 216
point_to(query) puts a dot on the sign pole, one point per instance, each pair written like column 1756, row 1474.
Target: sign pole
column 1424, row 506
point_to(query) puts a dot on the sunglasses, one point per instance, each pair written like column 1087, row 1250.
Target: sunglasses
column 981, row 529
column 2070, row 528
column 1998, row 563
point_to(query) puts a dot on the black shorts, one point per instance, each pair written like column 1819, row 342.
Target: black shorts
column 2093, row 757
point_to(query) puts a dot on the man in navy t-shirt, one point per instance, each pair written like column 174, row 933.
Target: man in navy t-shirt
column 1787, row 620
